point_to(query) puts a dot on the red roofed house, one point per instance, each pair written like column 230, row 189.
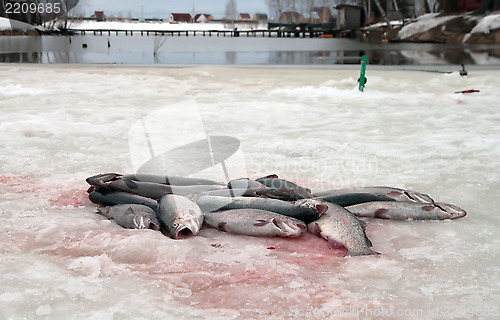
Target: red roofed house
column 244, row 16
column 180, row 17
column 99, row 16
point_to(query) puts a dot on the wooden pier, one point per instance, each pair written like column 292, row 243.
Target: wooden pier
column 210, row 33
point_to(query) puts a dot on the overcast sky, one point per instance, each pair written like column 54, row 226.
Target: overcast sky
column 162, row 8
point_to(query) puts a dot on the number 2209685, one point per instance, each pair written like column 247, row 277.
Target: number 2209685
column 32, row 7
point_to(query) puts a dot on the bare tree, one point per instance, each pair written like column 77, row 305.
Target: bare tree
column 231, row 10
column 276, row 8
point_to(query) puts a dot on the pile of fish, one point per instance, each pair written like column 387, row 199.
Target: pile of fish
column 268, row 206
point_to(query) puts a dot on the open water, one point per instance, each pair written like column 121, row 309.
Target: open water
column 138, row 49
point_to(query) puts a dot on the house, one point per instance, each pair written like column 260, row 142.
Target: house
column 244, row 17
column 203, row 18
column 99, row 16
column 180, row 18
column 349, row 17
column 260, row 17
column 322, row 15
column 290, row 17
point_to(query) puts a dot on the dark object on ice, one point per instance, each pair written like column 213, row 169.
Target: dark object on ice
column 349, row 199
column 110, row 198
column 468, row 91
column 171, row 180
column 342, row 229
column 463, row 72
column 179, row 216
column 393, row 193
column 156, row 190
column 265, row 192
column 396, row 210
column 132, row 216
column 101, row 181
column 273, row 181
column 84, row 45
column 306, row 210
column 193, row 157
column 243, row 183
column 254, row 222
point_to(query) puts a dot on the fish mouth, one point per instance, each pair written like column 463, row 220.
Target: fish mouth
column 453, row 211
column 183, row 232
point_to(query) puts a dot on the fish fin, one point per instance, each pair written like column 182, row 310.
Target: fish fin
column 222, row 226
column 381, row 213
column 261, row 223
column 334, row 244
column 362, row 223
column 314, row 228
column 363, row 253
column 321, row 208
column 130, row 184
column 368, row 241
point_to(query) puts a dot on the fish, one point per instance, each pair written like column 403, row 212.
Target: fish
column 394, row 193
column 397, row 210
column 273, row 181
column 349, row 199
column 307, row 210
column 255, row 222
column 171, row 180
column 244, row 183
column 265, row 192
column 101, row 181
column 341, row 228
column 110, row 198
column 179, row 216
column 156, row 190
column 132, row 216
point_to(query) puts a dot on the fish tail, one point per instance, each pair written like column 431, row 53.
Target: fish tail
column 361, row 253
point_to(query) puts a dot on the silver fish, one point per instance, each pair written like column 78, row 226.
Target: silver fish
column 397, row 210
column 341, row 228
column 394, row 193
column 179, row 216
column 132, row 216
column 254, row 222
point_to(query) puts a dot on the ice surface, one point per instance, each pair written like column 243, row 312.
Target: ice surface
column 59, row 125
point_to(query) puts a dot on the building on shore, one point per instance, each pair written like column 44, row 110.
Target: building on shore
column 349, row 17
column 203, row 18
column 180, row 18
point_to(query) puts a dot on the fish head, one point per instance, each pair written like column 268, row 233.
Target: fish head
column 183, row 226
column 318, row 205
column 452, row 211
column 102, row 181
column 288, row 227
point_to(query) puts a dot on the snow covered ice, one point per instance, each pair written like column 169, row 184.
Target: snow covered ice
column 61, row 124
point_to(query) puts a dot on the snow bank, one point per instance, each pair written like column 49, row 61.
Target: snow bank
column 145, row 26
column 485, row 26
column 423, row 24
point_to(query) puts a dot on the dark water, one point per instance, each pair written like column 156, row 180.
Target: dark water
column 234, row 51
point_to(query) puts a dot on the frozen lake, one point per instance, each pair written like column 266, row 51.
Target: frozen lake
column 61, row 124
